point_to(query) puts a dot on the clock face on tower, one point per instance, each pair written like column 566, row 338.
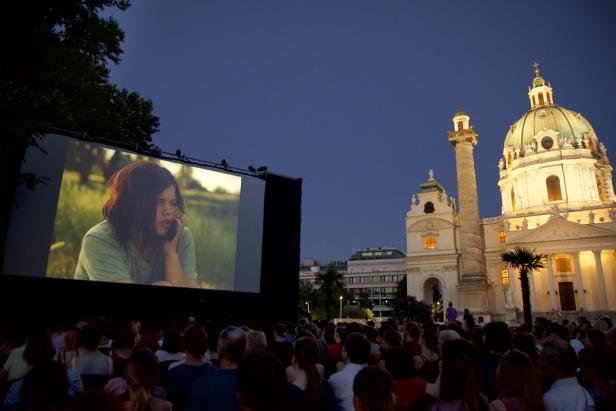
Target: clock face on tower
column 547, row 142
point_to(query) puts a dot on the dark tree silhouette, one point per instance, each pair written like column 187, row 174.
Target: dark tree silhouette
column 525, row 261
column 54, row 74
column 331, row 289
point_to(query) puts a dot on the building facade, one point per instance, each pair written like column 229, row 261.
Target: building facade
column 373, row 272
column 557, row 198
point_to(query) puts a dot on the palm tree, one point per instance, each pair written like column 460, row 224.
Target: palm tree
column 525, row 261
column 331, row 288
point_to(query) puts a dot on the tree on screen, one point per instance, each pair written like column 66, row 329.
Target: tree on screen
column 55, row 75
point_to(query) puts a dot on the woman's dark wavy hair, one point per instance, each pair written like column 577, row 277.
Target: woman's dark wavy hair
column 131, row 207
column 461, row 375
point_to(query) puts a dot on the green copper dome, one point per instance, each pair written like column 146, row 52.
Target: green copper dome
column 569, row 124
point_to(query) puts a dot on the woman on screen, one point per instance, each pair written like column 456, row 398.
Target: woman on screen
column 143, row 239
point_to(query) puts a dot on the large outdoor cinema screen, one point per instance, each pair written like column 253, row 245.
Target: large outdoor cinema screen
column 112, row 215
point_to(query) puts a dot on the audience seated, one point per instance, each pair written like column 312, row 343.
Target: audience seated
column 217, row 391
column 261, row 384
column 355, row 352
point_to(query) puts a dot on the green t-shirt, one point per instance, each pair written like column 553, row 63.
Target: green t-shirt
column 103, row 258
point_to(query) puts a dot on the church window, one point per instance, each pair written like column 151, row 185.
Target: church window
column 504, row 276
column 541, row 101
column 553, row 186
column 512, row 200
column 591, row 145
column 501, row 237
column 534, row 102
column 430, row 242
column 550, row 98
column 429, row 207
column 460, row 125
column 563, row 264
column 509, row 157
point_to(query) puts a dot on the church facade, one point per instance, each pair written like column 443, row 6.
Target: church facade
column 557, row 198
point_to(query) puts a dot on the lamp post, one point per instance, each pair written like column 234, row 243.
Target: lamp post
column 308, row 304
column 340, row 298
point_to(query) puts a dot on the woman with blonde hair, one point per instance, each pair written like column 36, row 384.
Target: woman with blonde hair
column 517, row 384
column 141, row 375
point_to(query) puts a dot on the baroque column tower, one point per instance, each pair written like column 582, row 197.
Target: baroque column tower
column 472, row 285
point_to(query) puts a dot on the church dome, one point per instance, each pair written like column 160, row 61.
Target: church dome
column 569, row 124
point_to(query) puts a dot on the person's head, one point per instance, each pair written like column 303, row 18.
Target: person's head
column 123, row 339
column 595, row 339
column 517, row 377
column 446, row 335
column 391, row 338
column 278, row 330
column 373, row 390
column 90, row 337
column 255, row 341
column 329, row 333
column 399, row 362
column 261, row 383
column 525, row 342
column 497, row 336
column 195, row 341
column 596, row 369
column 450, row 304
column 141, row 374
column 232, row 345
column 480, row 320
column 144, row 201
column 357, row 348
column 557, row 330
column 172, row 341
column 411, row 332
column 429, row 339
column 460, row 374
column 39, row 349
column 45, row 387
column 557, row 358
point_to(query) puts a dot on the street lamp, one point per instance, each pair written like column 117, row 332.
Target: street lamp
column 308, row 304
column 340, row 298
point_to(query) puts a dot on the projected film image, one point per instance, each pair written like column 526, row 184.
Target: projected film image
column 122, row 217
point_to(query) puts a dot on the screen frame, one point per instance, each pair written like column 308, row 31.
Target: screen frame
column 279, row 279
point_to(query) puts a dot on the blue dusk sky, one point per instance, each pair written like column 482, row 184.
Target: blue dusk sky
column 356, row 97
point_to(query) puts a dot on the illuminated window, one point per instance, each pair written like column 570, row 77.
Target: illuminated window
column 512, row 199
column 553, row 186
column 460, row 125
column 501, row 237
column 563, row 265
column 534, row 102
column 504, row 276
column 541, row 99
column 430, row 242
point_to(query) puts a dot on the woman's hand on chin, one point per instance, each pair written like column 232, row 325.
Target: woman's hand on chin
column 170, row 246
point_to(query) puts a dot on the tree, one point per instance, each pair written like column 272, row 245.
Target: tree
column 525, row 261
column 408, row 308
column 54, row 75
column 307, row 294
column 331, row 289
column 365, row 301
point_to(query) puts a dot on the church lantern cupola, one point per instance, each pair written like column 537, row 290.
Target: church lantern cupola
column 540, row 95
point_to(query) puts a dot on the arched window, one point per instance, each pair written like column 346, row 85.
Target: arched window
column 541, row 102
column 553, row 186
column 550, row 98
column 460, row 125
column 429, row 207
column 512, row 200
column 534, row 102
column 509, row 158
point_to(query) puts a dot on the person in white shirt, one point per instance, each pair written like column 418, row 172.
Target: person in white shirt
column 558, row 363
column 355, row 353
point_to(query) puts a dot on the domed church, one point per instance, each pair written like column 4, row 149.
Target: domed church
column 557, row 198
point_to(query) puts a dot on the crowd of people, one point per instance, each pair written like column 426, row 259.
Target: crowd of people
column 105, row 364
